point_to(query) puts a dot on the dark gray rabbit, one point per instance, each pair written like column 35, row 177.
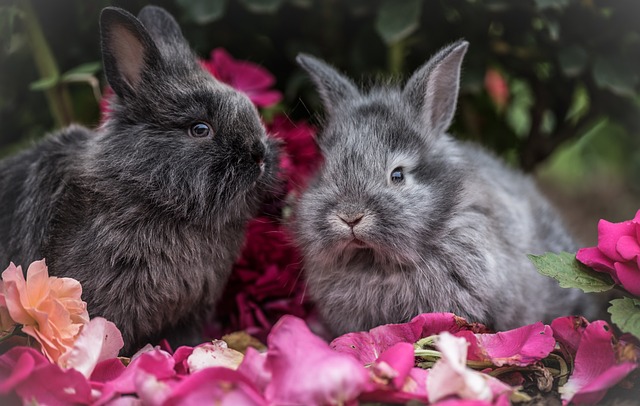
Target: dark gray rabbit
column 403, row 219
column 148, row 212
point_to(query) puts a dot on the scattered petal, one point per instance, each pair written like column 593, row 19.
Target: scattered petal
column 214, row 354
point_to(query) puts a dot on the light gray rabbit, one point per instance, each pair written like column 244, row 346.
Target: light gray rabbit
column 148, row 212
column 403, row 219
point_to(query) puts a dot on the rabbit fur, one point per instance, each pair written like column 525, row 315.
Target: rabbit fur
column 148, row 212
column 403, row 219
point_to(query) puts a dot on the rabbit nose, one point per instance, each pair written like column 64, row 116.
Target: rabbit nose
column 351, row 220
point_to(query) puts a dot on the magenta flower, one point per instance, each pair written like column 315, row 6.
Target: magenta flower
column 617, row 253
column 596, row 366
column 367, row 346
column 568, row 331
column 265, row 284
column 306, row 371
column 249, row 78
column 522, row 346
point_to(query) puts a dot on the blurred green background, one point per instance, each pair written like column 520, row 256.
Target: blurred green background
column 551, row 85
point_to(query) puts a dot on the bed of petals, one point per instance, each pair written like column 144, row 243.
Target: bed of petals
column 51, row 353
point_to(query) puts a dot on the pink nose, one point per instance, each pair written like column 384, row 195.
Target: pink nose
column 351, row 220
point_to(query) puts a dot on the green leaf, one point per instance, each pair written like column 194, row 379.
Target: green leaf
column 262, row 6
column 625, row 313
column 572, row 60
column 570, row 273
column 203, row 12
column 89, row 68
column 44, row 83
column 617, row 76
column 397, row 19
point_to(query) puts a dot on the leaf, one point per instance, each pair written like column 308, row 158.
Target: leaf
column 572, row 60
column 203, row 12
column 625, row 313
column 44, row 83
column 86, row 68
column 616, row 76
column 397, row 19
column 262, row 6
column 570, row 273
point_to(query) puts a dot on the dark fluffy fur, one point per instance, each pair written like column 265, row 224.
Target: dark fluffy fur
column 451, row 237
column 148, row 218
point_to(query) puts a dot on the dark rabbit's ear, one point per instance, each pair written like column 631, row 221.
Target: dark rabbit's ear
column 127, row 50
column 332, row 85
column 165, row 31
column 433, row 88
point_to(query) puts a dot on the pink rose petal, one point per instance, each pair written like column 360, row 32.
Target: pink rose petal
column 215, row 354
column 367, row 346
column 306, row 371
column 99, row 340
column 522, row 346
column 628, row 247
column 610, row 233
column 594, row 258
column 253, row 367
column 568, row 331
column 629, row 276
column 215, row 386
column 596, row 368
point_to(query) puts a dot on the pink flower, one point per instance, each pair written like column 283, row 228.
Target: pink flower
column 451, row 377
column 306, row 371
column 522, row 346
column 249, row 78
column 617, row 253
column 50, row 308
column 367, row 346
column 497, row 87
column 596, row 367
column 27, row 374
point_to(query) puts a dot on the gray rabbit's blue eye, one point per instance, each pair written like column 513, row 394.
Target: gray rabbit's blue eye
column 397, row 176
column 200, row 130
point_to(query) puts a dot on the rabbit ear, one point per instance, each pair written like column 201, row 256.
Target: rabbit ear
column 433, row 88
column 332, row 85
column 165, row 31
column 127, row 50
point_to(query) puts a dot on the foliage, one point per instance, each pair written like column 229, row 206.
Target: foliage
column 570, row 273
column 562, row 78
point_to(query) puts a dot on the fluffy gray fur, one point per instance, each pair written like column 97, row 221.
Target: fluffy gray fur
column 146, row 216
column 452, row 236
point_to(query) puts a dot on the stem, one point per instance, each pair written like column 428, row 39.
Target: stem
column 433, row 356
column 57, row 96
column 395, row 57
column 426, row 342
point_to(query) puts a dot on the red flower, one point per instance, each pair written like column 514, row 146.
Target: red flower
column 497, row 88
column 301, row 155
column 249, row 78
column 265, row 283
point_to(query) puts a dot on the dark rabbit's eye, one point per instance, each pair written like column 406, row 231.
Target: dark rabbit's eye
column 200, row 130
column 397, row 176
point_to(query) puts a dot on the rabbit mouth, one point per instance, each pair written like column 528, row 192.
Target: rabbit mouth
column 357, row 243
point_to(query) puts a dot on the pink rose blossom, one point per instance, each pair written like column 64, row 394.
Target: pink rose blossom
column 596, row 367
column 617, row 253
column 306, row 371
column 49, row 308
column 450, row 376
column 247, row 77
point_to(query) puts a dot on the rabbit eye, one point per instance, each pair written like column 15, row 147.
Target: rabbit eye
column 397, row 176
column 200, row 130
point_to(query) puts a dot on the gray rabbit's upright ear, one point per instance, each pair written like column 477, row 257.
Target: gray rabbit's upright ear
column 433, row 89
column 127, row 51
column 165, row 31
column 332, row 85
